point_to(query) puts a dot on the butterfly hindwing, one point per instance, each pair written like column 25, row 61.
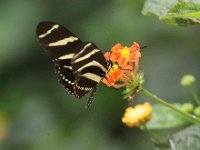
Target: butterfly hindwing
column 65, row 76
column 89, row 66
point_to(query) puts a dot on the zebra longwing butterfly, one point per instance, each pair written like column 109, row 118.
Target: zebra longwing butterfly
column 80, row 66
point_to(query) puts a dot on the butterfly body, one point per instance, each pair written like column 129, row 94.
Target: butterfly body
column 80, row 66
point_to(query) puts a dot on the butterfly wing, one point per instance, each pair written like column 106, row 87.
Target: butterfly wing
column 80, row 65
column 89, row 66
column 60, row 44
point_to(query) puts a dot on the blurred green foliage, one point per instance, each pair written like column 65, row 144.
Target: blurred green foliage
column 174, row 12
column 163, row 120
column 186, row 139
column 37, row 112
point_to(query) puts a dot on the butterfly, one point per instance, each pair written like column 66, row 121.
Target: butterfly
column 80, row 66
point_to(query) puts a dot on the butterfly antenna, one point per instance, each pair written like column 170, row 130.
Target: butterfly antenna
column 125, row 69
column 143, row 47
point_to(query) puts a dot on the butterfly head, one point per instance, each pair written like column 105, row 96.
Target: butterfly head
column 109, row 64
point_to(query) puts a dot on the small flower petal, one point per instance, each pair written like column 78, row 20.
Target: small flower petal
column 117, row 47
column 135, row 47
column 107, row 55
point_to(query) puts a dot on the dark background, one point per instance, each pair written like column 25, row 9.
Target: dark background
column 35, row 111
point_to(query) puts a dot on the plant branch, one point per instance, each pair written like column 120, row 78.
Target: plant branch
column 195, row 96
column 190, row 117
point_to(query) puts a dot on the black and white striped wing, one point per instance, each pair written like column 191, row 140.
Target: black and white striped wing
column 80, row 66
column 89, row 66
column 60, row 44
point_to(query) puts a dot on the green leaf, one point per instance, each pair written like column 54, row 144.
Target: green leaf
column 165, row 118
column 187, row 139
column 173, row 12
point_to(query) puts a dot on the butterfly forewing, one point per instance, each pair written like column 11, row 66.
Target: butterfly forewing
column 60, row 44
column 56, row 39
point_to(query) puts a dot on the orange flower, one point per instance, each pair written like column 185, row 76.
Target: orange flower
column 107, row 56
column 138, row 115
column 114, row 74
column 116, row 47
column 125, row 64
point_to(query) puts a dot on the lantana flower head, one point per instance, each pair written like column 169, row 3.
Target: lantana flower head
column 137, row 115
column 125, row 64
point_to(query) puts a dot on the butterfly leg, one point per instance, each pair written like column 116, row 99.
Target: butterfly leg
column 106, row 80
column 90, row 100
column 124, row 68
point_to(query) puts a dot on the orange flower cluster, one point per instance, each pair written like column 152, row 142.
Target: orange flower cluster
column 125, row 64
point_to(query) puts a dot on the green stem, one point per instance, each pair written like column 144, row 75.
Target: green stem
column 155, row 136
column 192, row 118
column 195, row 96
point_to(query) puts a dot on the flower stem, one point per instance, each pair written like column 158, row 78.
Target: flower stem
column 194, row 95
column 158, row 141
column 155, row 136
column 190, row 117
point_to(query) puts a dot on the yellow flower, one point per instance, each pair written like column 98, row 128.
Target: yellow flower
column 135, row 116
column 125, row 52
column 114, row 68
column 4, row 127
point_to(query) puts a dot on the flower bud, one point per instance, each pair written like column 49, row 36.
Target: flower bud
column 187, row 80
column 197, row 111
column 130, row 99
column 187, row 107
